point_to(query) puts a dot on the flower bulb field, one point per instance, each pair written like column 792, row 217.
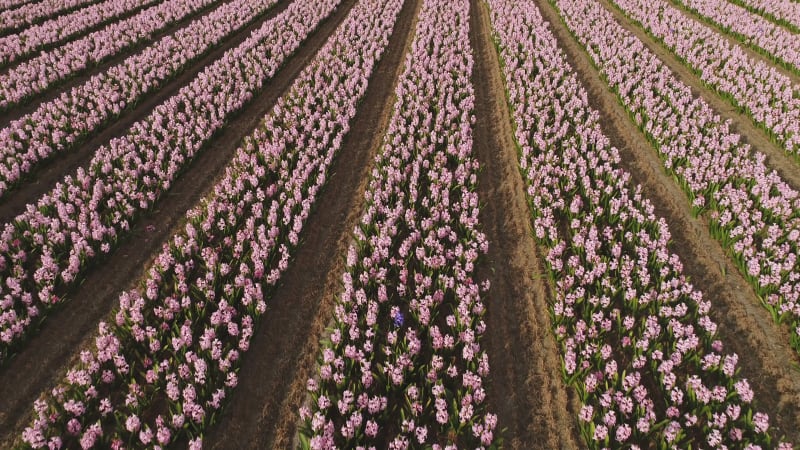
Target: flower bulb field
column 400, row 224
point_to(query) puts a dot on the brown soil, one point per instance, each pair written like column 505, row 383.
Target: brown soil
column 526, row 389
column 766, row 359
column 46, row 356
column 49, row 172
column 263, row 410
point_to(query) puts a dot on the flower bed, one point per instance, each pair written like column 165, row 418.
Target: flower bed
column 45, row 250
column 403, row 365
column 61, row 28
column 177, row 342
column 636, row 338
column 751, row 210
column 69, row 119
column 759, row 90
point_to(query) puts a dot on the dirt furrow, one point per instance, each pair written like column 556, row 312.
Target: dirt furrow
column 741, row 123
column 746, row 328
column 263, row 410
column 46, row 355
column 53, row 170
column 526, row 390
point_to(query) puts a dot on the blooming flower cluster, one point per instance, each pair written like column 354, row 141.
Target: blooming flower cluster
column 751, row 210
column 403, row 366
column 766, row 95
column 48, row 68
column 9, row 4
column 178, row 340
column 44, row 250
column 61, row 28
column 769, row 39
column 784, row 12
column 67, row 120
column 34, row 12
column 636, row 338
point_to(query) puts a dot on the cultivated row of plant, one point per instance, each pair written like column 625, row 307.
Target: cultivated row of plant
column 8, row 4
column 636, row 338
column 179, row 340
column 783, row 12
column 758, row 89
column 30, row 78
column 44, row 251
column 771, row 40
column 16, row 46
column 69, row 119
column 750, row 209
column 402, row 365
column 35, row 12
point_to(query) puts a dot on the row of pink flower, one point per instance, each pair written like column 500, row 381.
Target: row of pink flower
column 8, row 4
column 775, row 42
column 403, row 366
column 768, row 96
column 636, row 338
column 66, row 121
column 47, row 69
column 751, row 210
column 181, row 337
column 61, row 28
column 784, row 12
column 34, row 12
column 45, row 250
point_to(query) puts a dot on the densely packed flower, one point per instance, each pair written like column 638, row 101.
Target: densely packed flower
column 766, row 95
column 636, row 338
column 61, row 28
column 66, row 121
column 45, row 250
column 36, row 11
column 784, row 12
column 178, row 340
column 43, row 72
column 403, row 366
column 772, row 40
column 752, row 211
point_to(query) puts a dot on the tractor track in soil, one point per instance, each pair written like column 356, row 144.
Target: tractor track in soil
column 44, row 177
column 526, row 389
column 47, row 355
column 263, row 410
column 765, row 357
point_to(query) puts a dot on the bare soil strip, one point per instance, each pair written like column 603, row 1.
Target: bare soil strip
column 263, row 410
column 47, row 355
column 526, row 389
column 785, row 165
column 765, row 357
column 53, row 170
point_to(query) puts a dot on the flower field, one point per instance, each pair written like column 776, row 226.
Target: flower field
column 399, row 224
